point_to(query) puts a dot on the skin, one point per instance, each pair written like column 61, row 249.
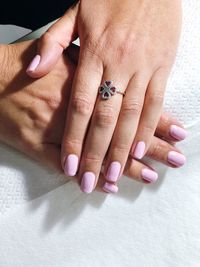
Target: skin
column 33, row 112
column 130, row 42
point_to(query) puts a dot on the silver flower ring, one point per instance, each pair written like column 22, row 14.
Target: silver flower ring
column 106, row 90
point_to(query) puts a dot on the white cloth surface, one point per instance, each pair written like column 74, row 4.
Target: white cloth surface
column 47, row 222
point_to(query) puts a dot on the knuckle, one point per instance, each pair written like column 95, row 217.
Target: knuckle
column 91, row 44
column 156, row 98
column 91, row 157
column 156, row 151
column 131, row 107
column 105, row 117
column 53, row 103
column 82, row 105
column 148, row 129
column 165, row 121
column 122, row 51
column 121, row 44
column 46, row 37
column 71, row 144
column 121, row 148
column 93, row 49
column 167, row 56
column 126, row 47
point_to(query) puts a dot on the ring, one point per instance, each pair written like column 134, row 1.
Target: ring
column 106, row 90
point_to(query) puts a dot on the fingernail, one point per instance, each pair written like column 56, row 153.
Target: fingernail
column 139, row 150
column 71, row 165
column 176, row 158
column 34, row 63
column 177, row 132
column 149, row 175
column 113, row 171
column 110, row 188
column 87, row 182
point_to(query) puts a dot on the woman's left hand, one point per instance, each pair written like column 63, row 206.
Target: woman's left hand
column 132, row 43
column 30, row 111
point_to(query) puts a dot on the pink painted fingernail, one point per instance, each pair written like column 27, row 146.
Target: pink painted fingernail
column 177, row 132
column 110, row 188
column 113, row 171
column 149, row 175
column 71, row 165
column 87, row 182
column 139, row 150
column 34, row 63
column 176, row 158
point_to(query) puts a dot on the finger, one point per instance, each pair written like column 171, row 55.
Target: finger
column 165, row 153
column 100, row 133
column 160, row 151
column 134, row 170
column 150, row 115
column 53, row 42
column 170, row 129
column 140, row 171
column 84, row 93
column 126, row 127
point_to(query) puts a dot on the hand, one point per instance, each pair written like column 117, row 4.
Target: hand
column 32, row 115
column 134, row 44
column 29, row 108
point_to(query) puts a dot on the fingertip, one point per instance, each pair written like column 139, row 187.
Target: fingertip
column 48, row 55
column 35, row 70
column 149, row 175
column 176, row 159
column 177, row 132
column 33, row 65
column 110, row 188
column 170, row 129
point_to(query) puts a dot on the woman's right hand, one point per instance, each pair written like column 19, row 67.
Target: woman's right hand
column 32, row 115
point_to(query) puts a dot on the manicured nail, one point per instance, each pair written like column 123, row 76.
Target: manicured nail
column 149, row 175
column 113, row 171
column 34, row 63
column 176, row 158
column 177, row 132
column 139, row 150
column 110, row 188
column 87, row 182
column 71, row 165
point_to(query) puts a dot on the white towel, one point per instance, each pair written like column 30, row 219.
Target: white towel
column 46, row 223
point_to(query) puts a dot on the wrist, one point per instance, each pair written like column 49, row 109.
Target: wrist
column 14, row 59
column 6, row 56
column 2, row 64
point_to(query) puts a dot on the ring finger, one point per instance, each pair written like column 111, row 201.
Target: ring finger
column 126, row 126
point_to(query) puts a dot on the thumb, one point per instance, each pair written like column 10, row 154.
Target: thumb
column 52, row 43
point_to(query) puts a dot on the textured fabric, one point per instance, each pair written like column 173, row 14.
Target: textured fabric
column 143, row 226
